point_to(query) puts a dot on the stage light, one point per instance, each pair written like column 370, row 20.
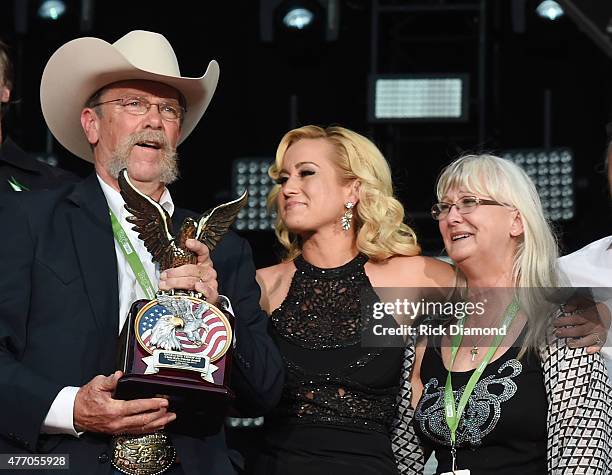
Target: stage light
column 50, row 160
column 550, row 10
column 418, row 97
column 252, row 174
column 299, row 21
column 51, row 9
column 298, row 18
column 552, row 171
column 244, row 422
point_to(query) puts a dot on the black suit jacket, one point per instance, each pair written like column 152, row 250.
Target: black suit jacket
column 59, row 323
column 19, row 165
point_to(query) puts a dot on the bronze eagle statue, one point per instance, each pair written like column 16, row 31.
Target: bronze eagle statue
column 153, row 225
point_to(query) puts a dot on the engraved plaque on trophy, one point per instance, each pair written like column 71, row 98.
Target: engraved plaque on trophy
column 178, row 345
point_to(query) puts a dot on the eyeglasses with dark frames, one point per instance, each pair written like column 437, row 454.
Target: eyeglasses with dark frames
column 464, row 205
column 140, row 106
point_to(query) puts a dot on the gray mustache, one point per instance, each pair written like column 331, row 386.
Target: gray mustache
column 146, row 136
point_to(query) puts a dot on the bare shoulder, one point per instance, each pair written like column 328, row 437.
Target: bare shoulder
column 412, row 271
column 269, row 274
column 274, row 282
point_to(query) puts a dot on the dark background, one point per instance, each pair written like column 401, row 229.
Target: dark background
column 524, row 56
column 521, row 57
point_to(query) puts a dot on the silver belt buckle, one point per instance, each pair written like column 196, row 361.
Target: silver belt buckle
column 149, row 454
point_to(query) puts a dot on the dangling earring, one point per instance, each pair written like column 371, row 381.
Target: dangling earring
column 347, row 216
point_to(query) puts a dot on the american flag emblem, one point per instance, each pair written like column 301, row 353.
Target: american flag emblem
column 211, row 339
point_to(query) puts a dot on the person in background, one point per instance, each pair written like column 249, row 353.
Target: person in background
column 18, row 170
column 591, row 266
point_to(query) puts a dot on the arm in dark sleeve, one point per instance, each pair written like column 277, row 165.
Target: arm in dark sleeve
column 25, row 397
column 257, row 374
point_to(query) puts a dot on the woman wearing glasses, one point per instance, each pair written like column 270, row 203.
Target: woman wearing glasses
column 344, row 234
column 496, row 392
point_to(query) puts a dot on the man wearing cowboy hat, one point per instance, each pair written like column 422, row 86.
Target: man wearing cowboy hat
column 66, row 285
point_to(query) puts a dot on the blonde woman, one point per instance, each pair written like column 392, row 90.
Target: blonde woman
column 344, row 235
column 519, row 401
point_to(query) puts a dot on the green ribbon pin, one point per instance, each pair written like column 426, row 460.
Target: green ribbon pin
column 16, row 186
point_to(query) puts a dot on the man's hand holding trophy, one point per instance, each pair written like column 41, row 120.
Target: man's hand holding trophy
column 178, row 344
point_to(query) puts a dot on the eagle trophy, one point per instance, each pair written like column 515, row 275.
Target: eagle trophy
column 153, row 225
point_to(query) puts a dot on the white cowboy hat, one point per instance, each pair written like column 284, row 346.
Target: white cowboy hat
column 83, row 66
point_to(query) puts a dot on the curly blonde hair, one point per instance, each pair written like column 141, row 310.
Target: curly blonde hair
column 378, row 216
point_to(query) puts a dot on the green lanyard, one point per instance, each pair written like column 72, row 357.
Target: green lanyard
column 453, row 415
column 132, row 258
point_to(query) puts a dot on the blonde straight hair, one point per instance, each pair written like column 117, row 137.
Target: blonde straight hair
column 534, row 271
column 378, row 216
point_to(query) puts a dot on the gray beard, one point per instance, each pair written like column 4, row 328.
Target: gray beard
column 169, row 172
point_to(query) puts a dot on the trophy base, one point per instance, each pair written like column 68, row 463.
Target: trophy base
column 199, row 411
column 196, row 385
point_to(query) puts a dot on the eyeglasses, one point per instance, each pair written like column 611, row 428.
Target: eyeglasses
column 140, row 106
column 464, row 205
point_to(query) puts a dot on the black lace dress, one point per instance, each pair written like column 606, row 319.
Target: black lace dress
column 339, row 397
